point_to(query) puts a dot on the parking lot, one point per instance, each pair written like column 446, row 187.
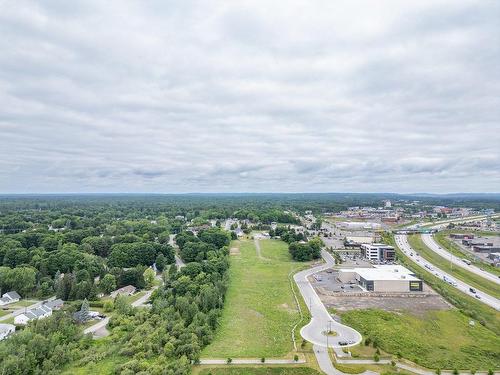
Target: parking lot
column 327, row 281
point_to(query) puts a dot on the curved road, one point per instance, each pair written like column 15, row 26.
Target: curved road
column 321, row 320
column 402, row 242
column 434, row 246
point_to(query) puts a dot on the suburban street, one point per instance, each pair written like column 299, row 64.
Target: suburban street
column 321, row 320
column 402, row 242
column 432, row 244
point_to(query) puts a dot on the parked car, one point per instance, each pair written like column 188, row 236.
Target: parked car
column 472, row 290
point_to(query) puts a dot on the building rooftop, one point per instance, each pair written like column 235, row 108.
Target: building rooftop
column 384, row 273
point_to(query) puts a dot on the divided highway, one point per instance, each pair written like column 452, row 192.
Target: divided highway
column 433, row 245
column 402, row 242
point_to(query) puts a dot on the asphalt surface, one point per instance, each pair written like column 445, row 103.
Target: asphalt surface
column 431, row 244
column 402, row 242
column 321, row 320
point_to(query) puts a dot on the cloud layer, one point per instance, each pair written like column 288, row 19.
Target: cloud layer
column 189, row 96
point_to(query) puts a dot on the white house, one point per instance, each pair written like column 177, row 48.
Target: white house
column 37, row 313
column 6, row 330
column 9, row 297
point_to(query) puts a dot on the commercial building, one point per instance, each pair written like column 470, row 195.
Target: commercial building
column 462, row 236
column 383, row 278
column 378, row 252
column 486, row 248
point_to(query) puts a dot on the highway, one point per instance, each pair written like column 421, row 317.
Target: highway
column 321, row 320
column 432, row 244
column 402, row 242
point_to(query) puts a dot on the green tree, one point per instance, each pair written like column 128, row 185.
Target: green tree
column 149, row 277
column 108, row 283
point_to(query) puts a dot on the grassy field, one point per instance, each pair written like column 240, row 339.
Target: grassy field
column 460, row 273
column 443, row 240
column 440, row 339
column 259, row 311
column 258, row 371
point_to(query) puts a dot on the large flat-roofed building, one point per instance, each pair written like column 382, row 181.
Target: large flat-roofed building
column 383, row 278
column 378, row 252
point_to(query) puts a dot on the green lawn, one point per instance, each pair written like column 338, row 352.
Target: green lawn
column 460, row 273
column 259, row 311
column 443, row 240
column 259, row 371
column 440, row 339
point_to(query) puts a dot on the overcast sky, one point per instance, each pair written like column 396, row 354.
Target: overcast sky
column 250, row 96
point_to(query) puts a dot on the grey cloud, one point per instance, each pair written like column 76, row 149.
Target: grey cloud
column 214, row 96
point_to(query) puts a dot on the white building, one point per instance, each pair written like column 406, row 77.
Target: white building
column 6, row 330
column 37, row 313
column 378, row 252
column 383, row 278
column 9, row 297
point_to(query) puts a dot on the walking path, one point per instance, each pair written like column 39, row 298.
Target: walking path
column 247, row 361
column 257, row 249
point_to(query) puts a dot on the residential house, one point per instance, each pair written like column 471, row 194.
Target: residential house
column 6, row 330
column 125, row 291
column 9, row 297
column 40, row 312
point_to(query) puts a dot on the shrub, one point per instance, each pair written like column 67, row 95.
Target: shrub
column 229, row 361
column 376, row 358
column 296, row 358
column 262, row 360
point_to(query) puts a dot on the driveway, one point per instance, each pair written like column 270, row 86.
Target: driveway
column 321, row 320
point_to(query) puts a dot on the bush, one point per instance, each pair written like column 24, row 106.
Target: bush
column 368, row 341
column 296, row 358
column 262, row 360
column 229, row 361
column 376, row 358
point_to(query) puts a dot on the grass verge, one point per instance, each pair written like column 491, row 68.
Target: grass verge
column 439, row 339
column 443, row 240
column 460, row 273
column 478, row 311
column 257, row 370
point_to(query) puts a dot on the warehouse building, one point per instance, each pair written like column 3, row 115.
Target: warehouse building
column 378, row 252
column 383, row 278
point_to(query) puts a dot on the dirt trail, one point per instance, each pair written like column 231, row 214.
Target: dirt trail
column 257, row 249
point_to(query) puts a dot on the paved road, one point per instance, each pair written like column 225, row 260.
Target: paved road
column 245, row 361
column 21, row 310
column 431, row 244
column 321, row 320
column 402, row 242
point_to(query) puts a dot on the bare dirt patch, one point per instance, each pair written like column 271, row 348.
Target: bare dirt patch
column 234, row 251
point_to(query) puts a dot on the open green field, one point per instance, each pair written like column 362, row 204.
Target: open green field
column 259, row 311
column 460, row 273
column 444, row 241
column 440, row 339
column 259, row 371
